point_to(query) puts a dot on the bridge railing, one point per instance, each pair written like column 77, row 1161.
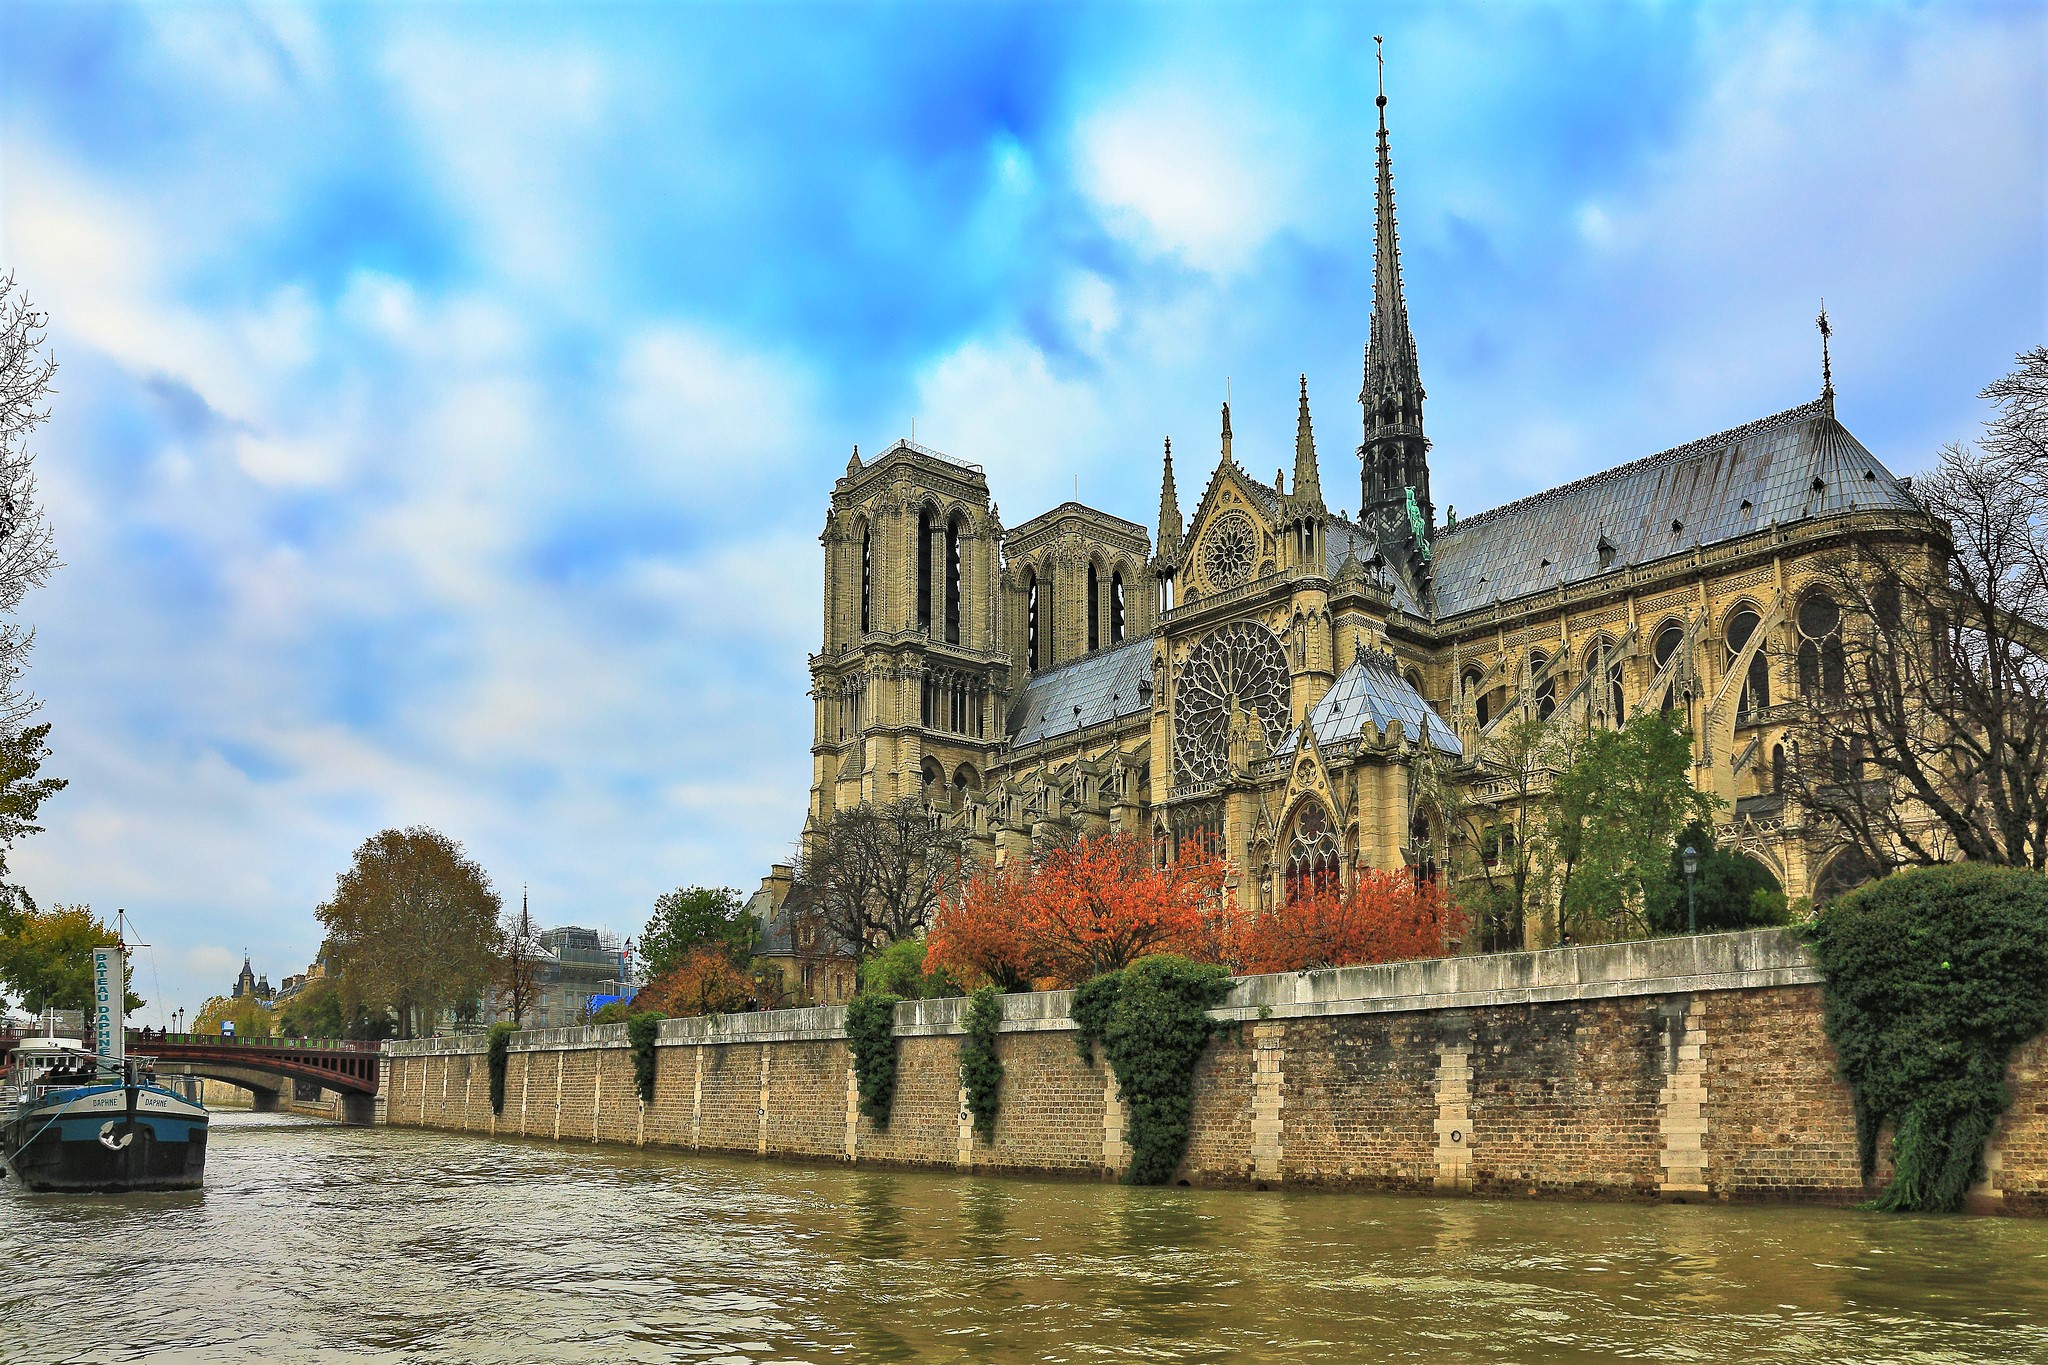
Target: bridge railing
column 145, row 1037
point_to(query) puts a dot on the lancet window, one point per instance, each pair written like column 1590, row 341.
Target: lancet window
column 1311, row 852
column 1756, row 684
column 1822, row 667
column 953, row 581
column 867, row 579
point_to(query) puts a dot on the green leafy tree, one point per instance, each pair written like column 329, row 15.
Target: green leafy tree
column 1622, row 798
column 319, row 1011
column 1496, row 843
column 46, row 957
column 1730, row 890
column 692, row 917
column 899, row 970
column 23, row 790
column 251, row 1018
column 412, row 927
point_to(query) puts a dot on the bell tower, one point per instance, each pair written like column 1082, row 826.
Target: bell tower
column 908, row 688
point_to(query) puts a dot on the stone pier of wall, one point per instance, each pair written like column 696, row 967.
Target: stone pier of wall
column 1687, row 1069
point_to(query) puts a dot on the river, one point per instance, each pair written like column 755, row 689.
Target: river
column 314, row 1242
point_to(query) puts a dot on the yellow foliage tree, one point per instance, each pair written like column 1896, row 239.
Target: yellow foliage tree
column 248, row 1014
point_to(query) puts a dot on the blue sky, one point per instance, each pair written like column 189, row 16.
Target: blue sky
column 451, row 392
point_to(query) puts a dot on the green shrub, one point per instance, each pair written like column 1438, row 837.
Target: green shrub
column 641, row 1030
column 899, row 970
column 871, row 1036
column 613, row 1012
column 499, row 1055
column 1933, row 977
column 981, row 1071
column 1152, row 1018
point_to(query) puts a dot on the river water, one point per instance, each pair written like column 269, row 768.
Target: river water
column 314, row 1242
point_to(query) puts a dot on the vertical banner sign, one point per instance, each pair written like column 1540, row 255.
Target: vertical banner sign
column 109, row 992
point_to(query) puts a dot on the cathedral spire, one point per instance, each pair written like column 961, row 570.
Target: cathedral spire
column 1394, row 477
column 1170, row 529
column 1827, row 370
column 1308, row 482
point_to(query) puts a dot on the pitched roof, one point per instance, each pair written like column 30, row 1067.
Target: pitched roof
column 1783, row 468
column 1373, row 689
column 1086, row 691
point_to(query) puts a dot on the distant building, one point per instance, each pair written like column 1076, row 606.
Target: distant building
column 253, row 986
column 815, row 967
column 575, row 964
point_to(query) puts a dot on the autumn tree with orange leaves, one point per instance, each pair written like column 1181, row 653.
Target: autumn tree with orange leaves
column 1092, row 906
column 1380, row 917
column 705, row 981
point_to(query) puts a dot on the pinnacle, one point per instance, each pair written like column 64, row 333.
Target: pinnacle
column 1308, row 483
column 1170, row 529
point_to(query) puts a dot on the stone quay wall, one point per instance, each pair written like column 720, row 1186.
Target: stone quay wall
column 1681, row 1069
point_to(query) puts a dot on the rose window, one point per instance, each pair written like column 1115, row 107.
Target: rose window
column 1239, row 670
column 1229, row 549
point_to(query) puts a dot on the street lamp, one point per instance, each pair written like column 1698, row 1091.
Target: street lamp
column 1692, row 865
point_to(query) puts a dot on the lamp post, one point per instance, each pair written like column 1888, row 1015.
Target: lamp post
column 1692, row 865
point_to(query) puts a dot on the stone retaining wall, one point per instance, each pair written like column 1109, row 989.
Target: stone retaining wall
column 1687, row 1068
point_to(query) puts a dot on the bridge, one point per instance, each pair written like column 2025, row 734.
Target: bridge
column 264, row 1067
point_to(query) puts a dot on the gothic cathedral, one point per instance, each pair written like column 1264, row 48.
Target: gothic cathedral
column 1264, row 673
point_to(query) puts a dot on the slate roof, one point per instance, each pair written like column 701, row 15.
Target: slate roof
column 1373, row 689
column 1087, row 691
column 1715, row 489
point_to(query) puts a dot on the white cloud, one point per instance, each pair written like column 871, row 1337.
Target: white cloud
column 1183, row 169
column 702, row 414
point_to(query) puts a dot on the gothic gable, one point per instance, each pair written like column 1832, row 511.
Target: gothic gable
column 1230, row 539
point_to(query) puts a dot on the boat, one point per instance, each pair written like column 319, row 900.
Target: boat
column 85, row 1117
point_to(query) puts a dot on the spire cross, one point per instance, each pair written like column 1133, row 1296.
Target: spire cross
column 1379, row 53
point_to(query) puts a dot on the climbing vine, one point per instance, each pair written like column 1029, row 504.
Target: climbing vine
column 499, row 1055
column 1094, row 1002
column 981, row 1071
column 1152, row 1019
column 1933, row 977
column 871, row 1035
column 641, row 1031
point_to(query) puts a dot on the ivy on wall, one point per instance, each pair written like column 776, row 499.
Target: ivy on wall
column 981, row 1071
column 871, row 1035
column 641, row 1031
column 499, row 1055
column 1152, row 1019
column 1934, row 976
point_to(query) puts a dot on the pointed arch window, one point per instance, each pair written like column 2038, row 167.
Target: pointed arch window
column 924, row 571
column 1604, row 666
column 1094, row 608
column 867, row 579
column 1311, row 852
column 1480, row 704
column 1031, row 619
column 1545, row 691
column 1756, row 683
column 953, row 580
column 1823, row 669
column 1116, row 607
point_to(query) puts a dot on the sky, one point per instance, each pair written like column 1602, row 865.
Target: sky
column 451, row 393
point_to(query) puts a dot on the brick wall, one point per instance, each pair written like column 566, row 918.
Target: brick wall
column 1682, row 1069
